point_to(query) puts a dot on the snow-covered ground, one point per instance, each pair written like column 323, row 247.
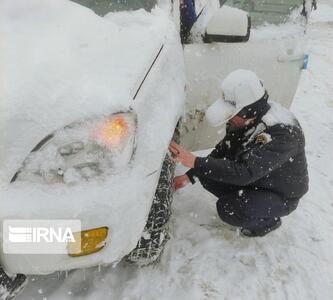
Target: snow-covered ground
column 204, row 259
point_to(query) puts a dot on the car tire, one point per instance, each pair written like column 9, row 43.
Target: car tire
column 156, row 232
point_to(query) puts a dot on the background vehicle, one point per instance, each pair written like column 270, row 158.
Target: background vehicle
column 125, row 69
column 263, row 11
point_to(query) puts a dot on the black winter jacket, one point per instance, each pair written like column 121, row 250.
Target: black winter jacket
column 268, row 156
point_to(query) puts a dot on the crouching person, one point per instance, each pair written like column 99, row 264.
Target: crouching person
column 259, row 170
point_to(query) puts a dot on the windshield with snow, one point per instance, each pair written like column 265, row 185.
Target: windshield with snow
column 267, row 11
column 102, row 7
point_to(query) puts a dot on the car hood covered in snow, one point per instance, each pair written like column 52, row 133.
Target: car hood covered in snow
column 61, row 63
column 55, row 70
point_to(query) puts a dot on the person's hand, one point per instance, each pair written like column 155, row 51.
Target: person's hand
column 181, row 155
column 180, row 181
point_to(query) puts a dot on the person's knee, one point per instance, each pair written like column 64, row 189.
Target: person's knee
column 262, row 204
column 291, row 205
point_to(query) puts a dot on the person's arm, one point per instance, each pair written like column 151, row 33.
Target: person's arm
column 218, row 151
column 260, row 161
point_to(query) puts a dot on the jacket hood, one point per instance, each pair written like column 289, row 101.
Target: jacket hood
column 61, row 63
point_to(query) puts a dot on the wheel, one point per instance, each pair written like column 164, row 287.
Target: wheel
column 156, row 233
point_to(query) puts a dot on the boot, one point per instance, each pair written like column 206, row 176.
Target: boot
column 260, row 231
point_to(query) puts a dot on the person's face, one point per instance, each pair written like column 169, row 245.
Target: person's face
column 239, row 122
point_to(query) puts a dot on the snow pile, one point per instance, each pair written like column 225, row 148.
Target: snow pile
column 277, row 32
column 229, row 21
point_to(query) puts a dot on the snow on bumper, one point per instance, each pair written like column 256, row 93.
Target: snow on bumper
column 121, row 203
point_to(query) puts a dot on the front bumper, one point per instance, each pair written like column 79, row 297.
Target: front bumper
column 122, row 204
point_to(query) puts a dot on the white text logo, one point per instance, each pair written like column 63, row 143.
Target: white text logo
column 39, row 236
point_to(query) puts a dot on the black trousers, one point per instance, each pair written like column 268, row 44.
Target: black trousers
column 247, row 207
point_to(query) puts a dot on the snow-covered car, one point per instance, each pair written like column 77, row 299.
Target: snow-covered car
column 89, row 105
column 88, row 108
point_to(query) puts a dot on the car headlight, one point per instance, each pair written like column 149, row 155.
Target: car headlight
column 82, row 151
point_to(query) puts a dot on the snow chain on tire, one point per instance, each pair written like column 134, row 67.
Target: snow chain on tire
column 156, row 233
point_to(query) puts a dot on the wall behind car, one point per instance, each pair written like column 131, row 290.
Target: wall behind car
column 270, row 11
